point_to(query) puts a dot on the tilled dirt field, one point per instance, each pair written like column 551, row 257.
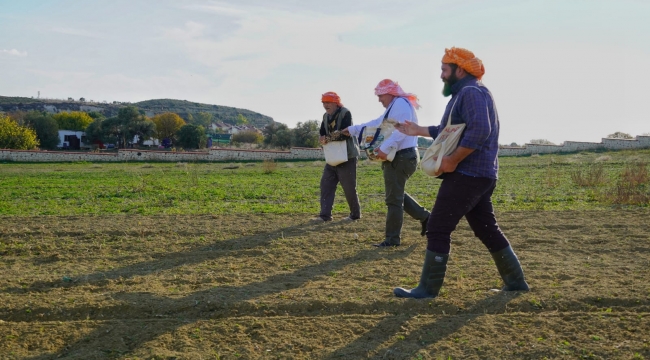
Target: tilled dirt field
column 229, row 287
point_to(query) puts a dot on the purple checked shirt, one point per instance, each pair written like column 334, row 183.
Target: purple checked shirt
column 475, row 108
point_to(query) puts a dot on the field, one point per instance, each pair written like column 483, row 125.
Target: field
column 220, row 261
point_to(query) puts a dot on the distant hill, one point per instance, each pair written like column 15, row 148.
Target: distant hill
column 150, row 107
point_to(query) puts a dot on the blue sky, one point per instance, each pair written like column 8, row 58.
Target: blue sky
column 559, row 70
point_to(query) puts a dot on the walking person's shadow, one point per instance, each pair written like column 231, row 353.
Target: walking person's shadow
column 169, row 314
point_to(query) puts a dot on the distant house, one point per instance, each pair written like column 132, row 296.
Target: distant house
column 221, row 127
column 233, row 129
column 72, row 140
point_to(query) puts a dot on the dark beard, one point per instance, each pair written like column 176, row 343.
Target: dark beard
column 446, row 90
column 451, row 80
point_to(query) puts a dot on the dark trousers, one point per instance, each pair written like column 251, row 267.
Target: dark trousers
column 346, row 174
column 396, row 173
column 468, row 196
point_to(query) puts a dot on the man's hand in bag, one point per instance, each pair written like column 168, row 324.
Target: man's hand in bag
column 381, row 155
column 449, row 163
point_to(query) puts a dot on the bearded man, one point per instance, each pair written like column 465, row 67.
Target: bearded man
column 469, row 177
column 400, row 106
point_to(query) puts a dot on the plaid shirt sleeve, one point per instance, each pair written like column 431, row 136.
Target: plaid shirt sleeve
column 474, row 112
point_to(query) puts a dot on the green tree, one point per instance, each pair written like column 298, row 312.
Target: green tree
column 46, row 128
column 306, row 134
column 248, row 136
column 96, row 115
column 95, row 132
column 191, row 137
column 189, row 118
column 241, row 120
column 283, row 138
column 14, row 136
column 144, row 129
column 270, row 132
column 134, row 123
column 203, row 118
column 167, row 125
column 620, row 135
column 75, row 120
column 112, row 131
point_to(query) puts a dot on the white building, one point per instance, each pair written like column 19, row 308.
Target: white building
column 73, row 140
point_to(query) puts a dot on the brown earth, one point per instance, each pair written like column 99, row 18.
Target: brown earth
column 279, row 287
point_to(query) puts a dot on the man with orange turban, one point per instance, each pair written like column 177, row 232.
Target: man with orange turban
column 469, row 177
column 337, row 117
column 399, row 106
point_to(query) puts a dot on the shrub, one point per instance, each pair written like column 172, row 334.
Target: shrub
column 249, row 137
column 14, row 136
column 269, row 166
column 191, row 137
column 632, row 187
column 620, row 135
column 593, row 175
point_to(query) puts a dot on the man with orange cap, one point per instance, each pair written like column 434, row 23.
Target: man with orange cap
column 337, row 117
column 400, row 106
column 469, row 177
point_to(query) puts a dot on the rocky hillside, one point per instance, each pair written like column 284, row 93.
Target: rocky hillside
column 151, row 107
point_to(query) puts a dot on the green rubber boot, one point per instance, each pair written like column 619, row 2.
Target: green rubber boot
column 433, row 274
column 510, row 270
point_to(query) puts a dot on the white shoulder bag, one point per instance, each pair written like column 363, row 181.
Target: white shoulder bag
column 336, row 152
column 444, row 144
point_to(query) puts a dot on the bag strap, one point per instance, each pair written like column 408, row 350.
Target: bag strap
column 487, row 109
column 339, row 119
column 326, row 124
column 342, row 112
column 374, row 138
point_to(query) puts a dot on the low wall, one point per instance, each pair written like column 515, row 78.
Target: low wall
column 171, row 156
column 640, row 142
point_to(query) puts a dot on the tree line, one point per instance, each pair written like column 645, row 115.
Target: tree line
column 130, row 127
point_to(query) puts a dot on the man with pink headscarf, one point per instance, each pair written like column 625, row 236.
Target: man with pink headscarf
column 400, row 106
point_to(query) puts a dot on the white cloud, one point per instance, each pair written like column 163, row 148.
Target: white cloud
column 273, row 55
column 14, row 52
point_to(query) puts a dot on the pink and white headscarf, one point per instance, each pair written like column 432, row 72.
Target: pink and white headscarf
column 391, row 87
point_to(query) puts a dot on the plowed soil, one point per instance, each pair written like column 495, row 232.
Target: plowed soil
column 281, row 287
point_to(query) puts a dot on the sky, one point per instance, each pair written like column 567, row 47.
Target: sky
column 558, row 70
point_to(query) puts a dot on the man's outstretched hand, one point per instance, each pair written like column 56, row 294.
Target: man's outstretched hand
column 411, row 128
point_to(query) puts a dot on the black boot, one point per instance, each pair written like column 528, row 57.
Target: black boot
column 433, row 274
column 510, row 270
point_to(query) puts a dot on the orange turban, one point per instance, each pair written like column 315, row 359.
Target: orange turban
column 388, row 86
column 466, row 60
column 332, row 97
